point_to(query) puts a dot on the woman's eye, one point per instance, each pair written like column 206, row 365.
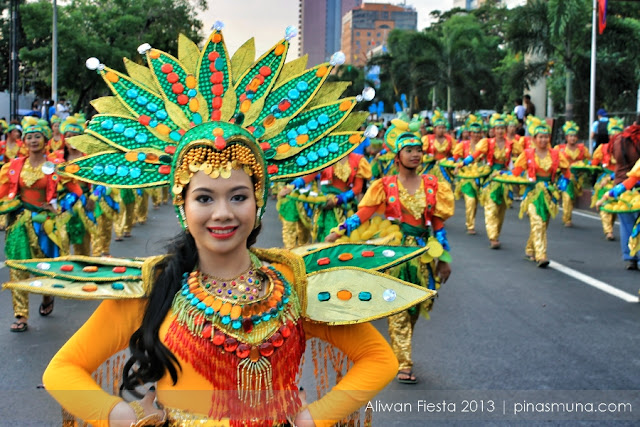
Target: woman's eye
column 239, row 198
column 203, row 198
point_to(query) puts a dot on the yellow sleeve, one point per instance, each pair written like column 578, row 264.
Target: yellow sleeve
column 520, row 164
column 4, row 180
column 375, row 195
column 364, row 169
column 458, row 150
column 518, row 147
column 481, row 147
column 635, row 171
column 597, row 155
column 563, row 162
column 374, row 366
column 68, row 376
column 587, row 155
column 445, row 204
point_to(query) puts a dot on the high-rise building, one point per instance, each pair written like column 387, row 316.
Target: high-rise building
column 366, row 28
column 320, row 23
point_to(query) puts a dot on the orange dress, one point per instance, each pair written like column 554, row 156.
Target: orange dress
column 109, row 330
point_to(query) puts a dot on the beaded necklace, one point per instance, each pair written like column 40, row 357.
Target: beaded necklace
column 246, row 286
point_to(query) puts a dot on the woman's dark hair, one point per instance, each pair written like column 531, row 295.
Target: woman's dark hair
column 150, row 359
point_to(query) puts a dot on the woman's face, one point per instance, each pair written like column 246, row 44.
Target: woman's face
column 411, row 156
column 572, row 139
column 15, row 134
column 34, row 141
column 499, row 131
column 542, row 140
column 55, row 127
column 220, row 213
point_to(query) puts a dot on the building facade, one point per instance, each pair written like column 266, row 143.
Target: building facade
column 320, row 23
column 365, row 29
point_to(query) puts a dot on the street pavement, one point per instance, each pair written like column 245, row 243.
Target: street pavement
column 503, row 333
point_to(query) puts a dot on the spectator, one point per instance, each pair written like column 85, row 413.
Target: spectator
column 529, row 107
column 519, row 111
column 62, row 109
column 599, row 129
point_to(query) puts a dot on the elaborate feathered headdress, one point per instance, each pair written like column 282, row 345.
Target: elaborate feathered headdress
column 226, row 108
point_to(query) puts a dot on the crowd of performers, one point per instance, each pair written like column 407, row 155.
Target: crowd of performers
column 400, row 187
column 57, row 216
column 403, row 185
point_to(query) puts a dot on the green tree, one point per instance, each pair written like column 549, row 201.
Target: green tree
column 106, row 29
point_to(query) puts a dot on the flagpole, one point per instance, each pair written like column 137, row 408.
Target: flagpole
column 592, row 91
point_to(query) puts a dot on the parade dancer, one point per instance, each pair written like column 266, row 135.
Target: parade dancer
column 494, row 196
column 12, row 147
column 543, row 166
column 603, row 157
column 468, row 188
column 341, row 183
column 234, row 357
column 126, row 199
column 439, row 144
column 57, row 139
column 35, row 225
column 575, row 153
column 294, row 215
column 421, row 204
column 81, row 227
column 106, row 212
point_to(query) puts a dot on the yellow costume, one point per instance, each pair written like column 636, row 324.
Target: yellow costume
column 541, row 199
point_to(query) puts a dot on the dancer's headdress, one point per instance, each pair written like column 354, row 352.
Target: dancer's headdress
column 207, row 111
column 497, row 120
column 615, row 126
column 570, row 128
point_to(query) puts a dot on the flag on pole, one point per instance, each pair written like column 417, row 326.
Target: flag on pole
column 602, row 15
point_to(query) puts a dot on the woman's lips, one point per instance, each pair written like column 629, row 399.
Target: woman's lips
column 222, row 232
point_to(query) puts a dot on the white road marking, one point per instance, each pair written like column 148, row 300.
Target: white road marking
column 605, row 287
column 590, row 215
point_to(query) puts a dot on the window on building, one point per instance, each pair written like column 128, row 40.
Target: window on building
column 357, row 33
column 368, row 34
column 379, row 34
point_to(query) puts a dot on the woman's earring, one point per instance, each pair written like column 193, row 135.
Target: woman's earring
column 183, row 218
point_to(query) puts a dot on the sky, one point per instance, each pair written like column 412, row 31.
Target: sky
column 266, row 20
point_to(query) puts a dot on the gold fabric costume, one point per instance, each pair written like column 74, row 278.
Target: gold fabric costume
column 20, row 298
column 124, row 220
column 165, row 194
column 142, row 207
column 567, row 208
column 494, row 218
column 470, row 209
column 414, row 203
column 85, row 247
column 294, row 234
column 102, row 239
column 537, row 243
column 608, row 219
column 400, row 332
column 156, row 196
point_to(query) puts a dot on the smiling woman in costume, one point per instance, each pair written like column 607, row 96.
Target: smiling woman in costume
column 224, row 327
